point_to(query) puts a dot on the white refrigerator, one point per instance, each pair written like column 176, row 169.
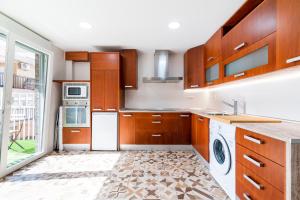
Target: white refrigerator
column 104, row 131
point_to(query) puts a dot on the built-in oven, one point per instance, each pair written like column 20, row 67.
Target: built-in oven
column 76, row 116
column 76, row 91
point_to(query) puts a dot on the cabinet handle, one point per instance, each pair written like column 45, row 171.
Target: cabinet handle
column 239, row 75
column 156, row 115
column 128, row 86
column 210, row 58
column 209, row 83
column 194, row 86
column 251, row 139
column 156, row 122
column 127, row 115
column 253, row 161
column 111, row 109
column 75, row 131
column 97, row 109
column 200, row 119
column 295, row 59
column 246, row 196
column 240, row 46
column 184, row 115
column 156, row 135
column 254, row 183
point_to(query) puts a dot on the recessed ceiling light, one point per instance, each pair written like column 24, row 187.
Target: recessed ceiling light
column 174, row 25
column 85, row 25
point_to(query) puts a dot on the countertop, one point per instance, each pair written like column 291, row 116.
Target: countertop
column 285, row 131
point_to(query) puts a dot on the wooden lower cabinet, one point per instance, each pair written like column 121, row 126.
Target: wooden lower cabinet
column 200, row 135
column 155, row 128
column 76, row 135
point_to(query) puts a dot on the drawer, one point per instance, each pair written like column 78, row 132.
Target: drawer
column 76, row 136
column 260, row 23
column 270, row 148
column 151, row 137
column 142, row 123
column 253, row 185
column 272, row 172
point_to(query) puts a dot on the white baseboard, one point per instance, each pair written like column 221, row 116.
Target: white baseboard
column 134, row 147
column 76, row 147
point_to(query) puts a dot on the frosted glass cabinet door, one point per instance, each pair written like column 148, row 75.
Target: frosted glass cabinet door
column 212, row 73
column 255, row 59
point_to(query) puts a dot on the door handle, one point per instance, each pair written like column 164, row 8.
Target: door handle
column 239, row 75
column 200, row 119
column 128, row 86
column 127, row 115
column 156, row 122
column 246, row 196
column 209, row 83
column 253, row 161
column 156, row 135
column 184, row 115
column 240, row 46
column 156, row 115
column 97, row 109
column 254, row 183
column 251, row 139
column 210, row 58
column 75, row 131
column 111, row 109
column 194, row 86
column 295, row 59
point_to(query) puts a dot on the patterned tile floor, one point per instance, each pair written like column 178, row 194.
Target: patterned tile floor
column 113, row 175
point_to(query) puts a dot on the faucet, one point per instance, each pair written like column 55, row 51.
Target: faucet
column 234, row 106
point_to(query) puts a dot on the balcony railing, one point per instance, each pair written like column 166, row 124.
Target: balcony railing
column 20, row 82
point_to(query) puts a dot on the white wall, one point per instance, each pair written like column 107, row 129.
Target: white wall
column 160, row 95
column 274, row 95
column 57, row 69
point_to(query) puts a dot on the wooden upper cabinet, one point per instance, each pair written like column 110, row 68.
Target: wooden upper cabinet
column 97, row 90
column 105, row 81
column 77, row 56
column 129, row 68
column 258, row 24
column 194, row 68
column 213, row 49
column 288, row 33
column 127, row 128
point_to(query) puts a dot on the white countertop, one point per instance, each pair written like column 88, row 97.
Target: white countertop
column 285, row 131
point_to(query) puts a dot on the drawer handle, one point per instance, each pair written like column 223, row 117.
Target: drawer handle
column 111, row 109
column 156, row 135
column 184, row 115
column 127, row 115
column 210, row 58
column 156, row 122
column 246, row 196
column 128, row 86
column 97, row 109
column 209, row 83
column 75, row 131
column 291, row 60
column 254, row 183
column 251, row 139
column 200, row 119
column 194, row 86
column 240, row 46
column 156, row 115
column 253, row 161
column 239, row 75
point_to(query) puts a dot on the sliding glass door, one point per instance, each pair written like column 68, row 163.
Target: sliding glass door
column 23, row 78
column 27, row 105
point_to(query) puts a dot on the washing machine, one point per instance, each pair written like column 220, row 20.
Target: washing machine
column 222, row 155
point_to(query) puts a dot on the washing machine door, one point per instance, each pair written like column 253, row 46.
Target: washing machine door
column 221, row 154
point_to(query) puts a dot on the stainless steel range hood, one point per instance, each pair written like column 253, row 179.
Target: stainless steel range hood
column 161, row 69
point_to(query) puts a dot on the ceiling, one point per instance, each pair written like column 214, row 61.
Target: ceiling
column 140, row 24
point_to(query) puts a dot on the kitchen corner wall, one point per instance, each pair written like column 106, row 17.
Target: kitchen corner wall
column 160, row 95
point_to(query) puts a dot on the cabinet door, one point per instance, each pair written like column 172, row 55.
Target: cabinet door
column 97, row 90
column 105, row 60
column 258, row 24
column 213, row 49
column 127, row 128
column 194, row 130
column 76, row 135
column 288, row 33
column 111, row 90
column 202, row 140
column 170, row 130
column 129, row 68
column 184, row 129
column 194, row 67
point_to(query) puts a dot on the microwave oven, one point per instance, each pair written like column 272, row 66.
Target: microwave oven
column 76, row 91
